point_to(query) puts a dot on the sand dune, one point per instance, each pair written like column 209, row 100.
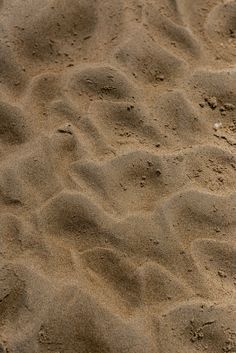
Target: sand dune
column 117, row 176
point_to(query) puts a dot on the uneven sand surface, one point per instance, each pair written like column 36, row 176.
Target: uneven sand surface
column 117, row 176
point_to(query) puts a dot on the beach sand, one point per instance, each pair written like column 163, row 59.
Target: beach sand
column 117, row 176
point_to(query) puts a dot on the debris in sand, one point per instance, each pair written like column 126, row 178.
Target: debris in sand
column 150, row 164
column 232, row 33
column 124, row 187
column 229, row 106
column 65, row 130
column 222, row 110
column 197, row 333
column 229, row 346
column 130, row 107
column 212, row 102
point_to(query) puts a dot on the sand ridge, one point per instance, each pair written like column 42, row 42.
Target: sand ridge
column 117, row 177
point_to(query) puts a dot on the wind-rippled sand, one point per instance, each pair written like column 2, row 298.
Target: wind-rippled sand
column 117, row 176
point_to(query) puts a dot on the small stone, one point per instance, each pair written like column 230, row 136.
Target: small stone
column 212, row 102
column 222, row 274
column 217, row 126
column 161, row 77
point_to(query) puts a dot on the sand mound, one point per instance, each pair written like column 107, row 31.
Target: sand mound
column 117, row 176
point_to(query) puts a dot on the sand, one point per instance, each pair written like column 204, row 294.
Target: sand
column 117, row 176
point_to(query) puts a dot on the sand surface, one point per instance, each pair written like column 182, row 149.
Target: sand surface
column 117, row 176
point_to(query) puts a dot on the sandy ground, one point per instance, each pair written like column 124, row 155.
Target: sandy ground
column 117, row 176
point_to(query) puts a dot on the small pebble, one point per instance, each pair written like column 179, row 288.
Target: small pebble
column 217, row 126
column 212, row 102
column 222, row 274
column 161, row 77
